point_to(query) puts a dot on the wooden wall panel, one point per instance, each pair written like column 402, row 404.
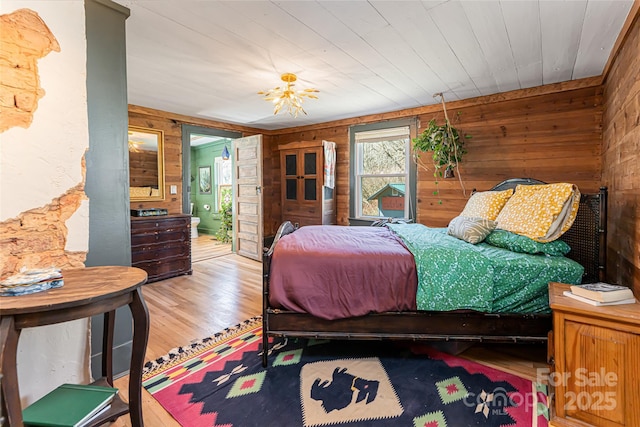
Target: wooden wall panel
column 621, row 162
column 551, row 133
column 171, row 124
column 270, row 186
column 143, row 168
column 553, row 137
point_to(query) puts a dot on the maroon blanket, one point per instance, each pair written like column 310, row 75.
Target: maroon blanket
column 336, row 272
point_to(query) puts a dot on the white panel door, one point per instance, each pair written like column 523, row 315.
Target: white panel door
column 247, row 192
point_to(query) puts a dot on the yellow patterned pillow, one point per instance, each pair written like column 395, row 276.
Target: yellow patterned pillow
column 486, row 204
column 540, row 212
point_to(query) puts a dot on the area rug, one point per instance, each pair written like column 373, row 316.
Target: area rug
column 220, row 381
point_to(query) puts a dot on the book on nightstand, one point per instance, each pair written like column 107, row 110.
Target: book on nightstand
column 69, row 405
column 602, row 292
column 598, row 303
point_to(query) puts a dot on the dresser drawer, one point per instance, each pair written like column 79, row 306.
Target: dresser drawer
column 157, row 224
column 160, row 251
column 162, row 245
column 162, row 269
column 159, row 236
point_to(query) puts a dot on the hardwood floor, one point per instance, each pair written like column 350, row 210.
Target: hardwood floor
column 207, row 246
column 222, row 292
column 226, row 290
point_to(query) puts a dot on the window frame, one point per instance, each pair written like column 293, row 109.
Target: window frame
column 355, row 165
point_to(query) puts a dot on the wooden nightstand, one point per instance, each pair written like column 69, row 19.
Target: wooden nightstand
column 596, row 372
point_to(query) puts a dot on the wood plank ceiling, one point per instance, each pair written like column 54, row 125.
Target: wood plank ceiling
column 209, row 59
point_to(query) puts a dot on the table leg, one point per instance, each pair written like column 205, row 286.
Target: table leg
column 140, row 315
column 108, row 327
column 10, row 395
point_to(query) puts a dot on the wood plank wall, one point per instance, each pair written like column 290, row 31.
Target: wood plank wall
column 143, row 168
column 621, row 162
column 171, row 124
column 552, row 133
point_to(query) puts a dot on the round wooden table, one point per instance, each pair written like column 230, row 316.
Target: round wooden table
column 86, row 292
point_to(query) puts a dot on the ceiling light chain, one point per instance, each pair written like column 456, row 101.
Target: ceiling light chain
column 288, row 97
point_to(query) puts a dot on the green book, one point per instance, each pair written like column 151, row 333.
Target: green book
column 69, row 405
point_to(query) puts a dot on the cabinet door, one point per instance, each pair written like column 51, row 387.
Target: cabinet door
column 302, row 179
column 302, row 175
column 600, row 377
column 290, row 176
column 310, row 169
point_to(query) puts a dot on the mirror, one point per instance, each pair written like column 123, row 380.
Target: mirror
column 146, row 164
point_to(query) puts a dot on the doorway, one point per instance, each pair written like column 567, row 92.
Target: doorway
column 206, row 188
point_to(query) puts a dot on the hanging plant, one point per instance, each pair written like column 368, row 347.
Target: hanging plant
column 445, row 143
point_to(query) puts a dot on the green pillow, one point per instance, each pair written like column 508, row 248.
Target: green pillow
column 517, row 243
column 472, row 230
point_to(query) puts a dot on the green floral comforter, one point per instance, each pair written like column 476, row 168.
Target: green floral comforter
column 453, row 274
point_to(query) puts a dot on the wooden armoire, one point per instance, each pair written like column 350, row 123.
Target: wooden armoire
column 306, row 200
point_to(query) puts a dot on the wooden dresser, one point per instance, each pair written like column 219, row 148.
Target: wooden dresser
column 305, row 198
column 161, row 245
column 596, row 355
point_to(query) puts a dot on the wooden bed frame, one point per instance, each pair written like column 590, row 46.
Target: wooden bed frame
column 587, row 238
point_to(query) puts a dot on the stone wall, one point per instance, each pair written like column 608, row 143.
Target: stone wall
column 37, row 236
column 25, row 39
column 44, row 211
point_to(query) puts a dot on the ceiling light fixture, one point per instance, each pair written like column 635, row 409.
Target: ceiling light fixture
column 134, row 146
column 288, row 97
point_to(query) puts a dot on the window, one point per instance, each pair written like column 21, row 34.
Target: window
column 223, row 181
column 382, row 181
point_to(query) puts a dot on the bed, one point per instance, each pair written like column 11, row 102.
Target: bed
column 393, row 315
